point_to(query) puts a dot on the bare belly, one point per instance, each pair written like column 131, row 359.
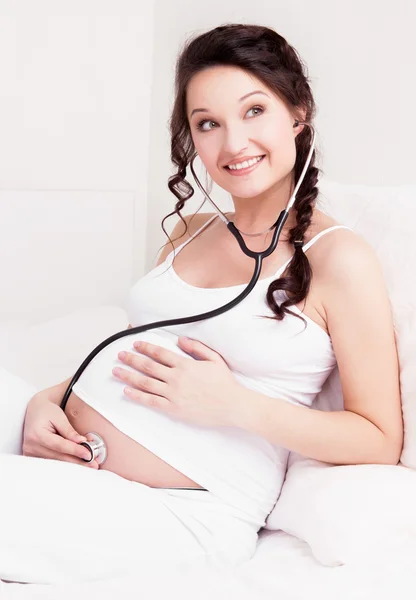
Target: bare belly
column 125, row 456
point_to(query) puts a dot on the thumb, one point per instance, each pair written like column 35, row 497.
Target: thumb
column 65, row 429
column 199, row 349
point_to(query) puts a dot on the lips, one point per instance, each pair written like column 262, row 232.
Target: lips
column 247, row 170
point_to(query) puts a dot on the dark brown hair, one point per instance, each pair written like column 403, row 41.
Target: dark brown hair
column 264, row 53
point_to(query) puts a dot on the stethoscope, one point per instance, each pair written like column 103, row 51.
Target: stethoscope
column 96, row 445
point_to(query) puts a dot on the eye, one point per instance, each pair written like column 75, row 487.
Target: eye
column 201, row 125
column 260, row 110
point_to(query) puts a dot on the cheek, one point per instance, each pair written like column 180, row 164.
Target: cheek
column 208, row 150
column 282, row 153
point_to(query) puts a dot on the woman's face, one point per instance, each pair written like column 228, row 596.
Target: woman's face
column 233, row 118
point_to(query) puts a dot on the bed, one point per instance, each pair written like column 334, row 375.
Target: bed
column 356, row 539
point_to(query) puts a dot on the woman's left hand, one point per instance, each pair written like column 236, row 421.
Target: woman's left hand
column 201, row 391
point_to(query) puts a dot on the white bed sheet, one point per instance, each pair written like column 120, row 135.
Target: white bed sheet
column 283, row 568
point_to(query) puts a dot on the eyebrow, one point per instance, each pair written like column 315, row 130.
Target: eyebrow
column 240, row 100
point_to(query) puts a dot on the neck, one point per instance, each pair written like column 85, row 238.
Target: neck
column 258, row 213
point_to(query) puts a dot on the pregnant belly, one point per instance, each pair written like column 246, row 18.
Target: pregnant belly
column 125, row 456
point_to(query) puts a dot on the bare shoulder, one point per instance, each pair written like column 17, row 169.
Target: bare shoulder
column 180, row 233
column 338, row 252
column 342, row 261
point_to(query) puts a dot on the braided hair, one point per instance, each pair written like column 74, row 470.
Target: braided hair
column 264, row 53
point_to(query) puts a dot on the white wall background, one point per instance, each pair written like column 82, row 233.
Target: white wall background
column 361, row 57
column 75, row 83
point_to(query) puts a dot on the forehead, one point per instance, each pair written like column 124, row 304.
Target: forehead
column 219, row 84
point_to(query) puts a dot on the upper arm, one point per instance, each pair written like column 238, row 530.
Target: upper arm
column 360, row 324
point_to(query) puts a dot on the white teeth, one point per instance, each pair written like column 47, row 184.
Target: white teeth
column 245, row 164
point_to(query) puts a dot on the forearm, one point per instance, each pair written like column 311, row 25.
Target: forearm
column 338, row 437
column 54, row 393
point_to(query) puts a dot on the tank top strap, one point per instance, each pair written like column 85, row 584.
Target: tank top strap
column 284, row 266
column 322, row 233
column 179, row 248
column 308, row 245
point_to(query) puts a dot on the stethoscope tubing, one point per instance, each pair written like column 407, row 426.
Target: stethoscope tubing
column 258, row 258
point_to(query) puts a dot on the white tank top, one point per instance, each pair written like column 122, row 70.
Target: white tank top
column 280, row 359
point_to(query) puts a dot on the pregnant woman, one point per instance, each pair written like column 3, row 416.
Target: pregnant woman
column 199, row 419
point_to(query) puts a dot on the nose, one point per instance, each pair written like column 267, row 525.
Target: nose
column 235, row 141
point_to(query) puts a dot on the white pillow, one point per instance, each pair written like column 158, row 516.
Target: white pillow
column 15, row 393
column 47, row 353
column 347, row 514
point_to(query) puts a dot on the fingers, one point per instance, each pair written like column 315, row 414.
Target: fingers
column 45, row 452
column 149, row 399
column 51, row 445
column 199, row 350
column 147, row 374
column 145, row 365
column 161, row 355
column 72, row 459
column 59, row 445
column 141, row 382
column 65, row 429
column 66, row 440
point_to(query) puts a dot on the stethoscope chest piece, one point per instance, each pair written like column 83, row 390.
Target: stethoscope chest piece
column 97, row 447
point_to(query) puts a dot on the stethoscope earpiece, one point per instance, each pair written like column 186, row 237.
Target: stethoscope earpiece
column 296, row 124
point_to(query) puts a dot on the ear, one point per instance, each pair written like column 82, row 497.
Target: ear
column 300, row 115
column 298, row 129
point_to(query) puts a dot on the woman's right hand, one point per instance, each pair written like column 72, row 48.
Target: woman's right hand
column 47, row 433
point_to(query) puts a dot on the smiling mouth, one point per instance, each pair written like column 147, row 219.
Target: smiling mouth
column 244, row 170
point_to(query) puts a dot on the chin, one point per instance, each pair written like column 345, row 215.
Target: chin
column 248, row 191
